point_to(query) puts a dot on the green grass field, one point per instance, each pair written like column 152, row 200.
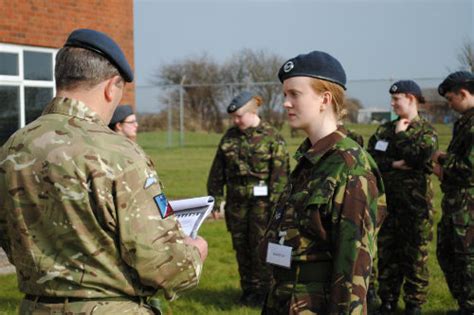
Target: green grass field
column 183, row 171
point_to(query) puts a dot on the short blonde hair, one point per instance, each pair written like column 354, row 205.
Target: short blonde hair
column 337, row 92
column 253, row 104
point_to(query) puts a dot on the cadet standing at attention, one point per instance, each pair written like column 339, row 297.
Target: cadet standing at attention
column 322, row 236
column 82, row 214
column 402, row 149
column 124, row 122
column 252, row 164
column 455, row 248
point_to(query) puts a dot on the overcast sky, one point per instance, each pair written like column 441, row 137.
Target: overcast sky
column 377, row 41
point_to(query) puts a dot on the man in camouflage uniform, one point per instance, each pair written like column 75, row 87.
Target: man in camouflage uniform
column 326, row 220
column 402, row 149
column 455, row 248
column 81, row 207
column 252, row 164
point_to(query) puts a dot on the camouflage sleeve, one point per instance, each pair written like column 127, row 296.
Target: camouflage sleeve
column 151, row 240
column 279, row 169
column 216, row 179
column 458, row 166
column 416, row 150
column 353, row 243
column 384, row 162
column 4, row 240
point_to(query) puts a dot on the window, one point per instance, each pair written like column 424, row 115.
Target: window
column 26, row 85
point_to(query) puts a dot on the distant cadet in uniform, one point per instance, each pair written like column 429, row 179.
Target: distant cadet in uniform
column 321, row 239
column 124, row 122
column 402, row 149
column 252, row 164
column 82, row 214
column 455, row 248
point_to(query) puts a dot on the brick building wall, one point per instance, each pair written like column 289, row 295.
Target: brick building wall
column 47, row 23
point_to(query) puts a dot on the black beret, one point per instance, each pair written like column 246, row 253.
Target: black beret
column 455, row 79
column 407, row 86
column 121, row 112
column 103, row 45
column 316, row 64
column 239, row 101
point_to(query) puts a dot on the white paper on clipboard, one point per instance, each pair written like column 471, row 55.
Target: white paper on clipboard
column 192, row 212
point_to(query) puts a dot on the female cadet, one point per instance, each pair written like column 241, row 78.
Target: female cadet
column 252, row 163
column 402, row 149
column 321, row 238
column 124, row 122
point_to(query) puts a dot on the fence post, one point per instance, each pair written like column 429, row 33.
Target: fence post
column 181, row 111
column 170, row 123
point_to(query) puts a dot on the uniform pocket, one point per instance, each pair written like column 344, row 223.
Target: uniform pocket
column 260, row 159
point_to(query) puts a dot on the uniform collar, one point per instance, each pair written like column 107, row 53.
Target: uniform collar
column 314, row 153
column 260, row 127
column 73, row 108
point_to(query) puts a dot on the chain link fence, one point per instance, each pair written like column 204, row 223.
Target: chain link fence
column 191, row 107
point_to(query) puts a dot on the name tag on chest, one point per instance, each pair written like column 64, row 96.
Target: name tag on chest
column 279, row 255
column 381, row 145
column 260, row 191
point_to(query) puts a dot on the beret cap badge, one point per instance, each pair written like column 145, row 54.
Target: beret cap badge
column 394, row 88
column 288, row 66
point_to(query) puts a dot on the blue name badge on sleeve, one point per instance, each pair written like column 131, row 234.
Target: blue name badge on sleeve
column 163, row 205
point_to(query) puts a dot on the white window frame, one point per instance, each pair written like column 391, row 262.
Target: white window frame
column 18, row 80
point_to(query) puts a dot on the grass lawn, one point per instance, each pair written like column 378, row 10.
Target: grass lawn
column 183, row 171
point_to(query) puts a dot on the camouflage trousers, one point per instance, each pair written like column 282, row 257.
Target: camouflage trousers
column 102, row 307
column 246, row 220
column 306, row 289
column 455, row 245
column 287, row 298
column 403, row 243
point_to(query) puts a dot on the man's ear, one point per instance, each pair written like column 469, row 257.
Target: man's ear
column 111, row 85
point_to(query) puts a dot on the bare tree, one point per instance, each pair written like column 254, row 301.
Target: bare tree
column 197, row 76
column 466, row 55
column 258, row 71
column 209, row 87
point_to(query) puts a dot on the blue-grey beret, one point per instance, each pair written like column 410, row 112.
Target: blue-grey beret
column 121, row 112
column 103, row 45
column 316, row 64
column 407, row 86
column 239, row 101
column 455, row 79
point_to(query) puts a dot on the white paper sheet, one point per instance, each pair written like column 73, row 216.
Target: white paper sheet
column 192, row 212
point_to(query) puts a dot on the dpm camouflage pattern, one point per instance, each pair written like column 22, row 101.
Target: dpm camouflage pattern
column 243, row 160
column 78, row 216
column 455, row 250
column 407, row 230
column 331, row 211
column 353, row 135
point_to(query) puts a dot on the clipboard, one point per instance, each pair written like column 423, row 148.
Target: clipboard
column 192, row 212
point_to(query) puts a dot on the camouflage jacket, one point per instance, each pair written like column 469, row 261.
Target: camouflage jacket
column 415, row 146
column 331, row 211
column 244, row 158
column 459, row 161
column 79, row 213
